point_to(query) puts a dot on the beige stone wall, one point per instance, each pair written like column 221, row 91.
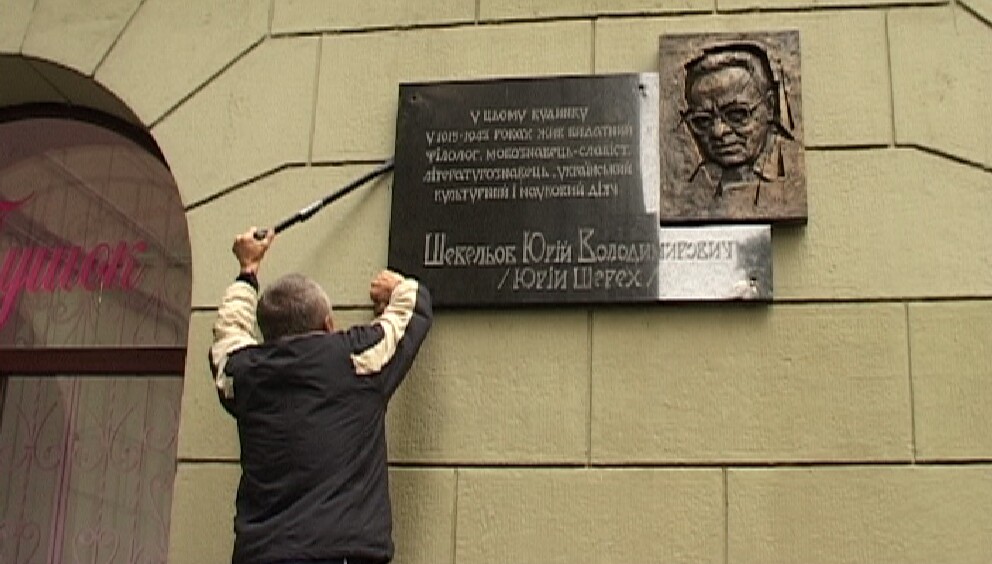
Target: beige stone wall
column 848, row 422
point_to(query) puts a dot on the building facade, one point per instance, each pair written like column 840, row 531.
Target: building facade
column 847, row 421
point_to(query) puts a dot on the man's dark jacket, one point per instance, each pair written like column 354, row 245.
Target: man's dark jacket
column 311, row 420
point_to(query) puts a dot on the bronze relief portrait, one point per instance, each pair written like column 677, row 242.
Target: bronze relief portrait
column 731, row 129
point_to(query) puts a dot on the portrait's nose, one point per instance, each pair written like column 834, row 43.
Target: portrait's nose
column 720, row 127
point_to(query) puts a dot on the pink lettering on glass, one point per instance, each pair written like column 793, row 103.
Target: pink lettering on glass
column 104, row 267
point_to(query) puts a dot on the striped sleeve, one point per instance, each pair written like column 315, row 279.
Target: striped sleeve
column 394, row 322
column 233, row 330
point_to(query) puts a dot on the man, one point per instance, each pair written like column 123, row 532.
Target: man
column 733, row 113
column 310, row 404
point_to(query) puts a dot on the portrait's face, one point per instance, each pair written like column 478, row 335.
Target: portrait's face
column 729, row 116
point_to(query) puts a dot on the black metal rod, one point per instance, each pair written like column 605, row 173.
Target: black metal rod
column 305, row 213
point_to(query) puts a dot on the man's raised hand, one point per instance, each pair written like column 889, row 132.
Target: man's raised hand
column 250, row 251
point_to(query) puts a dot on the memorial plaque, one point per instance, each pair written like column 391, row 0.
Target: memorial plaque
column 545, row 191
column 528, row 190
column 731, row 128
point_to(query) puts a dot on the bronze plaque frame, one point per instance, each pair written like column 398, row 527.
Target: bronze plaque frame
column 732, row 129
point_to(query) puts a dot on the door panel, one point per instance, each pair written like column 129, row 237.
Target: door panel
column 86, row 468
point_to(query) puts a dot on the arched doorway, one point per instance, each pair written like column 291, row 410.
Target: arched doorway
column 95, row 285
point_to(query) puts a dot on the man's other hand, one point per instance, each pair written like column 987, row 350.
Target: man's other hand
column 382, row 288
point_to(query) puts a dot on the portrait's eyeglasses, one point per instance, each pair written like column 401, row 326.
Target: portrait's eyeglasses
column 735, row 115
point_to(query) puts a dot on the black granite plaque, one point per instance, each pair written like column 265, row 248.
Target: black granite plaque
column 524, row 191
